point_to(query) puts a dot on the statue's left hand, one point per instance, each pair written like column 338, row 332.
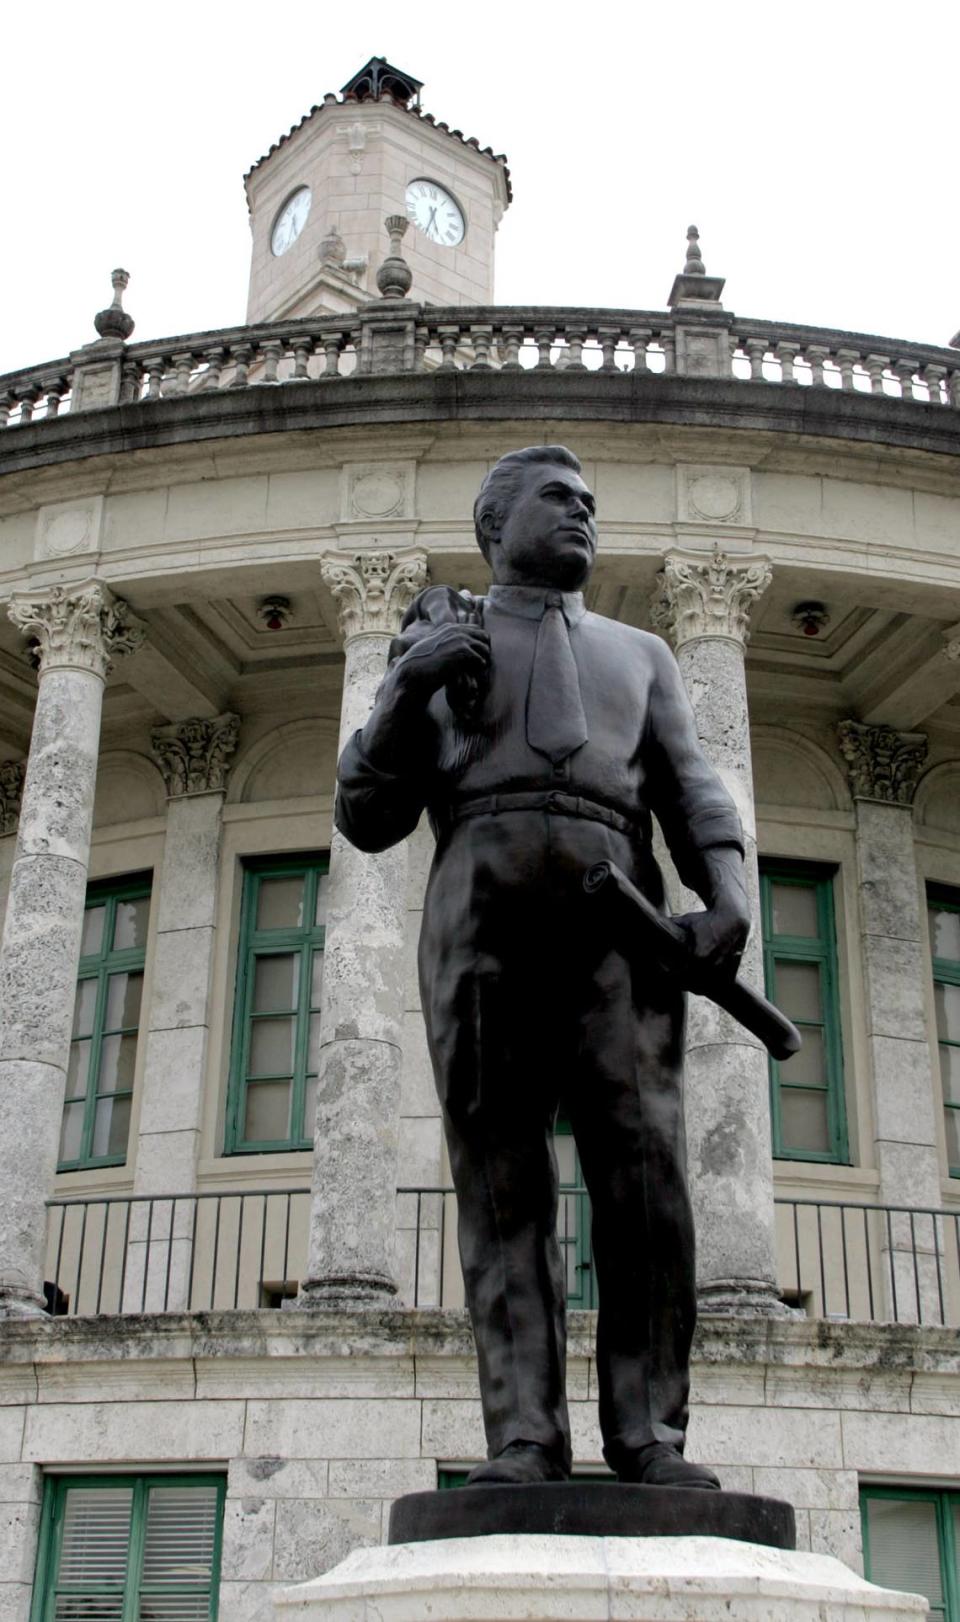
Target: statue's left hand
column 717, row 936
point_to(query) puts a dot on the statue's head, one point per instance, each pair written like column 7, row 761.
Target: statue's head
column 534, row 519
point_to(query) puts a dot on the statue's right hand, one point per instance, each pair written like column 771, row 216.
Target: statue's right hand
column 442, row 654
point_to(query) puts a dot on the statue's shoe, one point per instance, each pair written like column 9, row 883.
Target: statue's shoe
column 660, row 1465
column 520, row 1464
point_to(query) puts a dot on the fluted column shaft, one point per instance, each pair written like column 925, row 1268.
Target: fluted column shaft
column 353, row 1206
column 76, row 631
column 704, row 606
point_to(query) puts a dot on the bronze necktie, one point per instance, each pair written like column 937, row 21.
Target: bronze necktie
column 556, row 724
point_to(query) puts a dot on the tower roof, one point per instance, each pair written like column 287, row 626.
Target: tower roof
column 377, row 78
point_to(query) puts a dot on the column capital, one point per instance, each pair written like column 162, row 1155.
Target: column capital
column 194, row 755
column 373, row 590
column 12, row 773
column 882, row 764
column 700, row 597
column 77, row 627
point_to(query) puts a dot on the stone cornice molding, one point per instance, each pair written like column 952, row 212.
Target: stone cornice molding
column 707, row 597
column 12, row 774
column 77, row 627
column 373, row 590
column 194, row 755
column 882, row 764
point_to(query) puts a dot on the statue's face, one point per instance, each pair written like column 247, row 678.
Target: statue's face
column 549, row 535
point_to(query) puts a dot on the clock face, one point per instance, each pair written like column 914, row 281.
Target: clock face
column 435, row 213
column 291, row 220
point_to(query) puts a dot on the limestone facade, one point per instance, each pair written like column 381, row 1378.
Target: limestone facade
column 216, row 751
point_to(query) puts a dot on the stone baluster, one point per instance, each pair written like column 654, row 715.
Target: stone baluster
column 884, row 767
column 332, row 343
column 182, row 368
column 511, row 340
column 904, row 370
column 194, row 757
column 302, row 350
column 449, row 338
column 933, row 376
column 817, row 357
column 704, row 606
column 756, row 350
column 481, row 337
column 544, row 338
column 608, row 337
column 786, row 354
column 214, row 358
column 242, row 357
column 353, row 1207
column 639, row 337
column 272, row 351
column 76, row 631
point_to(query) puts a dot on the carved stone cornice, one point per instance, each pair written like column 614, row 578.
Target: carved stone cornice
column 698, row 597
column 882, row 764
column 194, row 756
column 12, row 773
column 77, row 627
column 373, row 590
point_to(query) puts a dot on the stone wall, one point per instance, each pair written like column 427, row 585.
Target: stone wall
column 320, row 1420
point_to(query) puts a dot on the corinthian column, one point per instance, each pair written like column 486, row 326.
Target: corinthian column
column 703, row 605
column 884, row 766
column 194, row 757
column 353, row 1207
column 76, row 631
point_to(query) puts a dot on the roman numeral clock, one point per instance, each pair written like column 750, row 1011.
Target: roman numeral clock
column 319, row 197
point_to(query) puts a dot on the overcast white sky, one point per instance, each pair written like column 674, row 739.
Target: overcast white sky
column 814, row 144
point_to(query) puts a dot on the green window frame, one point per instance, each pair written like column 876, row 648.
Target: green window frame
column 129, row 1547
column 943, row 911
column 807, row 1103
column 573, row 1225
column 276, row 1025
column 95, row 1126
column 918, row 1550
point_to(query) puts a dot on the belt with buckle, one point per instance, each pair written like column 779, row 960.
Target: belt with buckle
column 551, row 800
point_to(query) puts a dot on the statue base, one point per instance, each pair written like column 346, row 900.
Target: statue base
column 589, row 1579
column 591, row 1509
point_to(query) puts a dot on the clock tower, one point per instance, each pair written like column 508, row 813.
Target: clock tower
column 318, row 200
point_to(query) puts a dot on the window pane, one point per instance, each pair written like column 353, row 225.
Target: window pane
column 91, row 940
column 947, row 1003
column 181, row 1534
column 77, row 1067
column 950, row 1074
column 316, row 979
column 75, row 1608
column 271, row 1046
column 798, row 990
column 268, row 1111
column 280, row 903
column 118, row 1058
column 944, row 933
column 96, row 1535
column 951, row 1119
column 904, row 1549
column 84, row 1007
column 130, row 927
column 313, row 1044
column 566, row 1153
column 123, row 1002
column 310, row 1108
column 111, row 1126
column 275, row 981
column 806, row 1068
column 794, row 909
column 174, row 1608
column 323, row 886
column 803, row 1120
column 71, row 1132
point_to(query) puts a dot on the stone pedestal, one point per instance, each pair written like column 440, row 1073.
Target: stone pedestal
column 76, row 630
column 703, row 606
column 353, row 1210
column 585, row 1579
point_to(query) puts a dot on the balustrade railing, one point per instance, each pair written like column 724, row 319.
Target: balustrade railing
column 380, row 340
column 247, row 1248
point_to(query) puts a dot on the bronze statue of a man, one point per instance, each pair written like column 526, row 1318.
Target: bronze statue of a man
column 541, row 738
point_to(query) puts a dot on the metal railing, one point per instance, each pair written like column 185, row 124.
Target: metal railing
column 426, row 338
column 248, row 1248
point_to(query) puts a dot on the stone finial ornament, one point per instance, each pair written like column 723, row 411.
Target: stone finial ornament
column 333, row 249
column 373, row 590
column 194, row 756
column 394, row 276
column 12, row 774
column 81, row 627
column 694, row 263
column 882, row 764
column 114, row 322
column 713, row 597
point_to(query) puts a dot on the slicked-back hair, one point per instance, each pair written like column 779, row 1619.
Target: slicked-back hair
column 502, row 483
